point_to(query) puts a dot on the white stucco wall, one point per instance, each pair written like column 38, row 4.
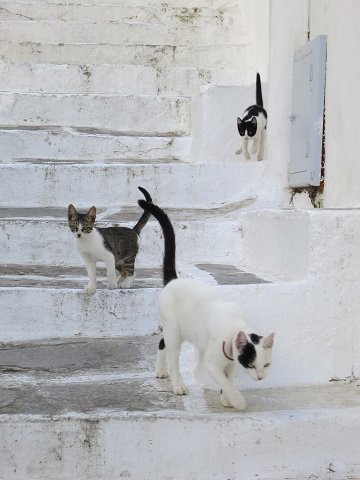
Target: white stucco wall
column 289, row 23
column 342, row 168
column 288, row 31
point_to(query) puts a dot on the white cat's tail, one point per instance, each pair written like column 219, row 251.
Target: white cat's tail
column 169, row 269
column 145, row 216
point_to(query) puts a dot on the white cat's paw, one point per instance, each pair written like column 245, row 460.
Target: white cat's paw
column 112, row 285
column 126, row 282
column 180, row 389
column 239, row 402
column 253, row 149
column 161, row 373
column 247, row 155
column 225, row 401
column 90, row 289
column 238, row 151
column 259, row 158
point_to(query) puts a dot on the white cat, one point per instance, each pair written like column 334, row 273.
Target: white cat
column 193, row 311
column 253, row 126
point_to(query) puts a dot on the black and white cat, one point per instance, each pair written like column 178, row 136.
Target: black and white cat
column 193, row 311
column 115, row 246
column 253, row 126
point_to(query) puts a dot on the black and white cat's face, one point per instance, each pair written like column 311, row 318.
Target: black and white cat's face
column 253, row 353
column 81, row 224
column 247, row 128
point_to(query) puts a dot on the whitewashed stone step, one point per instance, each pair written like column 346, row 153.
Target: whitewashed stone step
column 31, row 311
column 172, row 16
column 62, row 309
column 124, row 79
column 190, row 56
column 218, row 4
column 66, row 144
column 125, row 114
column 202, row 235
column 111, row 185
column 92, row 406
column 119, row 34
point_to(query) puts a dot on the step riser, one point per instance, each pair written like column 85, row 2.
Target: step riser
column 127, row 79
column 17, row 145
column 118, row 34
column 114, row 186
column 196, row 242
column 53, row 313
column 153, row 55
column 124, row 3
column 170, row 16
column 266, row 446
column 267, row 307
column 115, row 113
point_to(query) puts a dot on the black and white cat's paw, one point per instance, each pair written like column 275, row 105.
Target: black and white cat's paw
column 161, row 372
column 180, row 388
column 238, row 151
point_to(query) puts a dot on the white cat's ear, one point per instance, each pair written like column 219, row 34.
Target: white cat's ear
column 92, row 213
column 241, row 341
column 72, row 211
column 268, row 341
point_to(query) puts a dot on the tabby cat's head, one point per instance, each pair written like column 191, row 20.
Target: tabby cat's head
column 253, row 353
column 81, row 224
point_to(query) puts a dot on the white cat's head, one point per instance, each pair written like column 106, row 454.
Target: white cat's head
column 253, row 353
column 81, row 224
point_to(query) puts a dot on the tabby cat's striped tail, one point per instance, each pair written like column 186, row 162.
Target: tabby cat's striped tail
column 145, row 216
column 169, row 270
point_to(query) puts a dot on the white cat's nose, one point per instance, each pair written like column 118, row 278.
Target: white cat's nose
column 260, row 375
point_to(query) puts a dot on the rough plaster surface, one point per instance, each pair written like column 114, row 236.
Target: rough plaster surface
column 92, row 408
column 126, row 114
column 114, row 185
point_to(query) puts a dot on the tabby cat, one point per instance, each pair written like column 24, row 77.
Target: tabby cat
column 115, row 246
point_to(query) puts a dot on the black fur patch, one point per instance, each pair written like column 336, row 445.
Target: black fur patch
column 162, row 344
column 248, row 355
column 255, row 338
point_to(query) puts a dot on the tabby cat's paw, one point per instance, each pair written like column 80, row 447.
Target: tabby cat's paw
column 126, row 282
column 90, row 289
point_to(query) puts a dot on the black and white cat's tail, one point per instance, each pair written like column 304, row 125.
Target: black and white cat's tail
column 259, row 99
column 169, row 269
column 146, row 215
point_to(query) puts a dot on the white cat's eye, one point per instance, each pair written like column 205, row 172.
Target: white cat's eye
column 251, row 366
column 267, row 365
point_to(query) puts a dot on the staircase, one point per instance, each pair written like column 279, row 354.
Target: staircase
column 98, row 97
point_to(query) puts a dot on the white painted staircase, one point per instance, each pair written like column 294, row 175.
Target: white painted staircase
column 97, row 97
